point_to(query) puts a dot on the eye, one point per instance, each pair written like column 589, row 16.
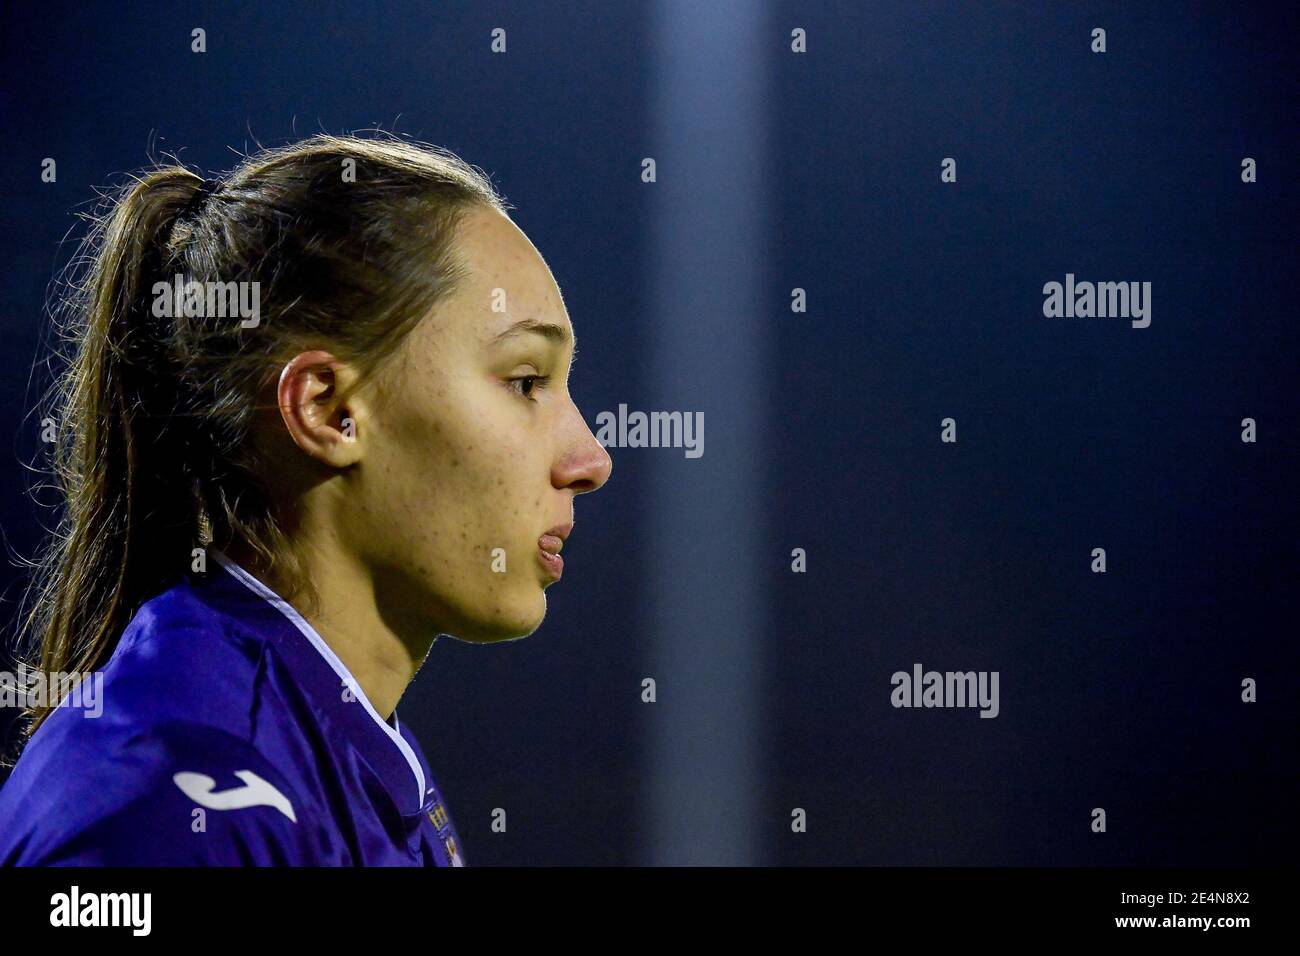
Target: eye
column 526, row 385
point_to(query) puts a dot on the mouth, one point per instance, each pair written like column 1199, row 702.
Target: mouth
column 549, row 546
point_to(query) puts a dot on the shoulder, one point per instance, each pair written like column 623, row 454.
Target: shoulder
column 179, row 794
column 178, row 653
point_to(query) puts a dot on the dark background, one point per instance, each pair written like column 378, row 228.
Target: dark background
column 1119, row 690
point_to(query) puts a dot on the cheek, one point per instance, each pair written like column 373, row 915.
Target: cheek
column 469, row 523
column 458, row 486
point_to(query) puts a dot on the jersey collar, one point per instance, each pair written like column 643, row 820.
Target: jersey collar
column 380, row 742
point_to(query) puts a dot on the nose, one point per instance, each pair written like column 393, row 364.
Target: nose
column 586, row 464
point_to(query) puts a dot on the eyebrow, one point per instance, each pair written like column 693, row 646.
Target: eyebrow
column 556, row 333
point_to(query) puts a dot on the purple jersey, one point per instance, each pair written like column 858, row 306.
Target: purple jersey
column 230, row 734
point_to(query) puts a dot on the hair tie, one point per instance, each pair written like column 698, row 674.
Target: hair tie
column 206, row 188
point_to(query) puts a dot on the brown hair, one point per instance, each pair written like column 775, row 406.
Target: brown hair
column 351, row 240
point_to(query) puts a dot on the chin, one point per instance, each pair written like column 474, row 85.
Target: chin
column 511, row 624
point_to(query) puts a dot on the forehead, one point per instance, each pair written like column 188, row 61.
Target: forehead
column 506, row 281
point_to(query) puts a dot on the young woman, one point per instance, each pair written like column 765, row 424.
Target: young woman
column 316, row 416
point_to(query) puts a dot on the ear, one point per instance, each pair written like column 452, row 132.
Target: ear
column 311, row 395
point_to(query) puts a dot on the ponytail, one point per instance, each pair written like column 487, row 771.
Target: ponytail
column 127, row 521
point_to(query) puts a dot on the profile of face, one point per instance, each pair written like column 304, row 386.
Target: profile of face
column 468, row 450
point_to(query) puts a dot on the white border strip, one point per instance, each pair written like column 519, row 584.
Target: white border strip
column 327, row 652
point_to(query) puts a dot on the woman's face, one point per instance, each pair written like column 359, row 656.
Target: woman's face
column 476, row 450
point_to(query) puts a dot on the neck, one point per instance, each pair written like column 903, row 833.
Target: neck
column 348, row 618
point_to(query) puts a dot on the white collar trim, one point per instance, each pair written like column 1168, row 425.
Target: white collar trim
column 393, row 730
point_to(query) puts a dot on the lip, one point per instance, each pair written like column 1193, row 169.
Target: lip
column 549, row 546
column 562, row 531
column 553, row 563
